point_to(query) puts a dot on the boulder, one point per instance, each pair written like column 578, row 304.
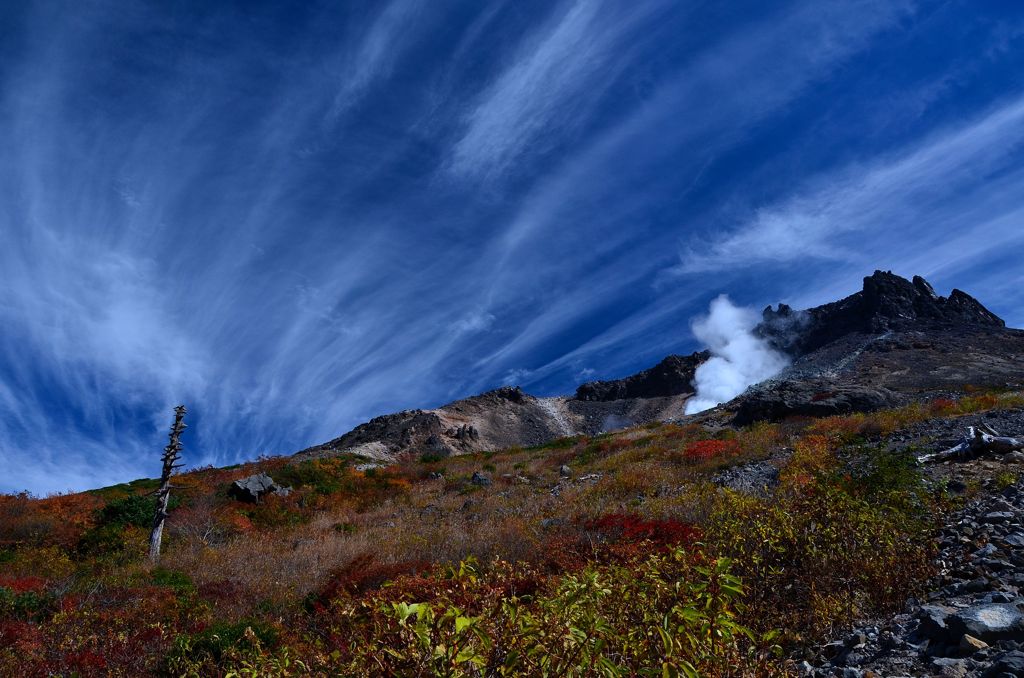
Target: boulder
column 989, row 622
column 252, row 488
column 934, row 622
column 564, row 471
column 812, row 397
column 969, row 644
column 1007, row 664
column 480, row 479
column 759, row 478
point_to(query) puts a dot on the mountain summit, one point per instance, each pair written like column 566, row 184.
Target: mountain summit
column 887, row 302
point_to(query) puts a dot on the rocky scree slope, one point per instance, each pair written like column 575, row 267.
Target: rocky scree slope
column 971, row 624
column 893, row 341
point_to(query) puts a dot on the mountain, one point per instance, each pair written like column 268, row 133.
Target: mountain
column 893, row 341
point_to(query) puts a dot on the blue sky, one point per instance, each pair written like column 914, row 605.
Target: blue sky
column 293, row 217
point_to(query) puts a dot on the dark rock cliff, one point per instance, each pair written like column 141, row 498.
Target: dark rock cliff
column 672, row 376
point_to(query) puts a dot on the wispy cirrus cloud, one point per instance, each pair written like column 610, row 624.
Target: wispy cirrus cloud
column 559, row 73
column 957, row 187
column 391, row 32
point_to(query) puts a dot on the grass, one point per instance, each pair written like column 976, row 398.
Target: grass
column 297, row 583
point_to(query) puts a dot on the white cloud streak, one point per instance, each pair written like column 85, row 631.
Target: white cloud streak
column 548, row 88
column 956, row 183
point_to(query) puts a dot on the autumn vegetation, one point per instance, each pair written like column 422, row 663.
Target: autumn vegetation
column 636, row 565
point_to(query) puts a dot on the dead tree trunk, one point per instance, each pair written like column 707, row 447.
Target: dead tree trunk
column 979, row 441
column 163, row 495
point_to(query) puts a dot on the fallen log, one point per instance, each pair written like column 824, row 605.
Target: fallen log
column 980, row 440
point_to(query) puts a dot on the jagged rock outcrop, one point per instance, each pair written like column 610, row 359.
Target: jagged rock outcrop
column 672, row 376
column 893, row 341
column 887, row 302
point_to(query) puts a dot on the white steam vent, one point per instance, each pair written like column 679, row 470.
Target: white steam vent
column 738, row 357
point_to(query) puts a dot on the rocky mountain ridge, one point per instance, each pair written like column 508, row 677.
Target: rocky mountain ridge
column 886, row 303
column 894, row 340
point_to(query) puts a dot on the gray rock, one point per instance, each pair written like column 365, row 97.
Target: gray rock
column 565, row 471
column 759, row 478
column 990, row 623
column 252, row 488
column 986, row 550
column 1008, row 664
column 950, row 668
column 934, row 622
column 774, row 401
column 480, row 479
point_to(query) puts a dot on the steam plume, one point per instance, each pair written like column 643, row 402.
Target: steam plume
column 738, row 357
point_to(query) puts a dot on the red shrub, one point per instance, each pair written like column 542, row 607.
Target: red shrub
column 362, row 575
column 222, row 590
column 17, row 632
column 709, row 449
column 23, row 584
column 565, row 553
column 629, row 527
column 85, row 661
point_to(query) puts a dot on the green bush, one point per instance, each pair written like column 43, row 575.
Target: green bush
column 222, row 643
column 173, row 579
column 671, row 614
column 136, row 510
column 25, row 605
column 321, row 478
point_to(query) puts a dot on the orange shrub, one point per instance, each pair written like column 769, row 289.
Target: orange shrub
column 710, row 449
column 942, row 406
column 841, row 429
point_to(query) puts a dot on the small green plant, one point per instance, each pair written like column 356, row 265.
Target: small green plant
column 180, row 582
column 1004, row 479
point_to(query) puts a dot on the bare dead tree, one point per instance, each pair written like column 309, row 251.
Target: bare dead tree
column 980, row 440
column 163, row 495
